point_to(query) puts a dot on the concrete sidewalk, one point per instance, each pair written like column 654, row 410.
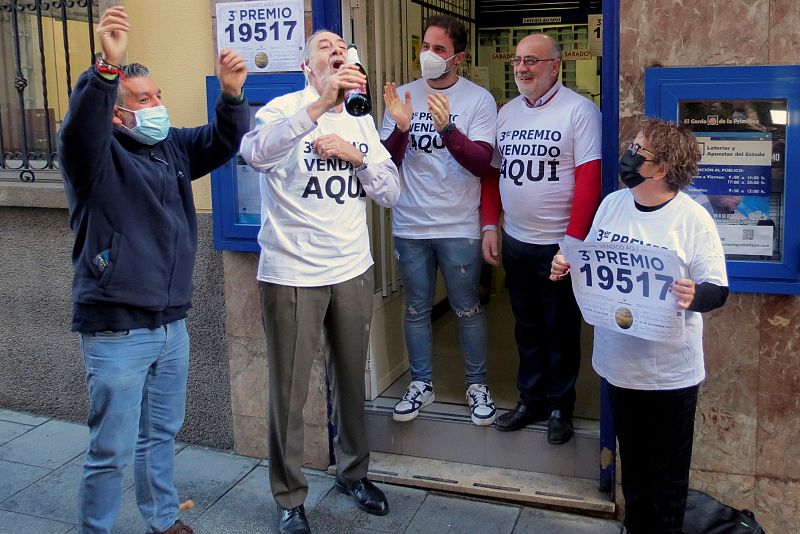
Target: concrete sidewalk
column 41, row 461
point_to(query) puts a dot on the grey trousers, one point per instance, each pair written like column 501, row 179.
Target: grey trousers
column 293, row 320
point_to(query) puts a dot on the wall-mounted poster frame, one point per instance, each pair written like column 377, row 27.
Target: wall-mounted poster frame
column 747, row 121
column 235, row 194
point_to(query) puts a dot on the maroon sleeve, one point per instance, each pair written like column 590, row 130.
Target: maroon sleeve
column 475, row 156
column 586, row 199
column 396, row 144
column 490, row 197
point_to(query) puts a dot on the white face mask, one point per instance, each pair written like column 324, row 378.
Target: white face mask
column 433, row 66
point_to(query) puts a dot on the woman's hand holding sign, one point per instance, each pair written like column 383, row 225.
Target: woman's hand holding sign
column 559, row 268
column 683, row 289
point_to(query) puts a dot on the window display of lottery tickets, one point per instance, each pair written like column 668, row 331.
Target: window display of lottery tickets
column 580, row 69
column 741, row 178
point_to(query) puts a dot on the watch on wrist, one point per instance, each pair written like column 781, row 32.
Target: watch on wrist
column 363, row 165
column 447, row 129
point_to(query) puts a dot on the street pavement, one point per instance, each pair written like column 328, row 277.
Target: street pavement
column 41, row 461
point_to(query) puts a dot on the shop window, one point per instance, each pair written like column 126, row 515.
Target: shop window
column 745, row 120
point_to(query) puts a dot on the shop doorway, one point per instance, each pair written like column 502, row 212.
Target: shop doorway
column 389, row 35
column 377, row 25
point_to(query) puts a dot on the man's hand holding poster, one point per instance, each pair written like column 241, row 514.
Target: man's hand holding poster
column 625, row 287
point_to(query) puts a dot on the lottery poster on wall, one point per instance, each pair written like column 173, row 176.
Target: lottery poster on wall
column 268, row 34
column 740, row 180
column 625, row 287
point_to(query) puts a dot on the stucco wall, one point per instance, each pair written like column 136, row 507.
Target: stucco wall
column 747, row 434
column 41, row 370
column 176, row 45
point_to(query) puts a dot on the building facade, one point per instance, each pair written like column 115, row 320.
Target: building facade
column 747, row 433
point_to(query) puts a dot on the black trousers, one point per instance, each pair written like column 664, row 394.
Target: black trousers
column 655, row 430
column 547, row 326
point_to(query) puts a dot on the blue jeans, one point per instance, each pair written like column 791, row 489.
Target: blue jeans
column 460, row 263
column 137, row 399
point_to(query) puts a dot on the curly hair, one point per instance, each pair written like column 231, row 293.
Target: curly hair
column 677, row 147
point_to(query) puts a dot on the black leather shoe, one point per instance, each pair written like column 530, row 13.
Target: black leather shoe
column 293, row 521
column 367, row 495
column 559, row 428
column 519, row 417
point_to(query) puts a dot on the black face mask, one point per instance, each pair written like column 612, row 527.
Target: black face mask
column 629, row 165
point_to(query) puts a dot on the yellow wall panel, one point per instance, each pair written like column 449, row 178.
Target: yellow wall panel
column 174, row 40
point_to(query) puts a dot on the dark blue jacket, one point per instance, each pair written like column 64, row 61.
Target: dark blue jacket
column 132, row 210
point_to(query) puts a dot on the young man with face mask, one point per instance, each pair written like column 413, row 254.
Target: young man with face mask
column 548, row 141
column 127, row 177
column 441, row 136
column 318, row 165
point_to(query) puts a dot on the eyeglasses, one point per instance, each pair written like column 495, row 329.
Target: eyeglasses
column 528, row 60
column 635, row 148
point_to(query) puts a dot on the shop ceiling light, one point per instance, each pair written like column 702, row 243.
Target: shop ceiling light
column 778, row 116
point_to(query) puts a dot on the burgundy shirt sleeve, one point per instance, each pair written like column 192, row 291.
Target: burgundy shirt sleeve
column 396, row 144
column 490, row 197
column 475, row 156
column 586, row 199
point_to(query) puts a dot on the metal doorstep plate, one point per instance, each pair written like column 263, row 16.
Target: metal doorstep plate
column 565, row 493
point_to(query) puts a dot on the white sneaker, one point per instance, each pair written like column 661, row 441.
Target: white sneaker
column 418, row 395
column 481, row 404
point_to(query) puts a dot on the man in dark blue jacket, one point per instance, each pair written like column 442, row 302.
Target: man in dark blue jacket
column 127, row 176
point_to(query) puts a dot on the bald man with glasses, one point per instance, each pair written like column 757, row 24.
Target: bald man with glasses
column 547, row 183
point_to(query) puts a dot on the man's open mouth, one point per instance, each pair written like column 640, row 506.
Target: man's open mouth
column 336, row 64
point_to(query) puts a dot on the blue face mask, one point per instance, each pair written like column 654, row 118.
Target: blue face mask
column 152, row 124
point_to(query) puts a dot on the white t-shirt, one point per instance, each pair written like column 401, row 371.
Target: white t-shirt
column 537, row 151
column 439, row 198
column 313, row 211
column 685, row 227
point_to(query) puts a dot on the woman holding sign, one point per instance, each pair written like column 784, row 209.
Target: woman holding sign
column 653, row 385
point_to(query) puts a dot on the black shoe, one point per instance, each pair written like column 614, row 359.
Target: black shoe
column 367, row 495
column 559, row 428
column 293, row 521
column 179, row 527
column 519, row 417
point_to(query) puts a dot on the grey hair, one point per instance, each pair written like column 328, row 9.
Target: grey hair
column 307, row 50
column 131, row 70
column 556, row 48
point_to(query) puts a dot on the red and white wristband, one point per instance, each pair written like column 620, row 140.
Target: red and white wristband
column 104, row 67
